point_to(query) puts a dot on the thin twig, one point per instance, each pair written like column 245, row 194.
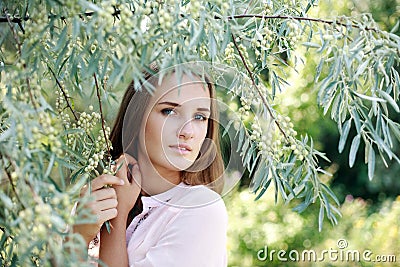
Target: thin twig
column 19, row 49
column 257, row 88
column 11, row 182
column 296, row 18
column 244, row 15
column 63, row 92
column 14, row 19
column 26, row 18
column 101, row 113
column 247, row 8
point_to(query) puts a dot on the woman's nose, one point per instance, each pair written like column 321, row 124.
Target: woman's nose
column 186, row 131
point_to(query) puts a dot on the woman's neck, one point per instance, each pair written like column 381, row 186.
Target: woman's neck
column 156, row 181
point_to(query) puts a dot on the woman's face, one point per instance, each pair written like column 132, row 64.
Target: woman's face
column 175, row 123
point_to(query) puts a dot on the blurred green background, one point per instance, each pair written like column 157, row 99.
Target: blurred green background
column 370, row 209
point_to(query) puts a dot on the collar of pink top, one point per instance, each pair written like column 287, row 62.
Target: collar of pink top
column 162, row 198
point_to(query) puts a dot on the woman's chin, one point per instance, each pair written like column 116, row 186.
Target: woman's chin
column 180, row 165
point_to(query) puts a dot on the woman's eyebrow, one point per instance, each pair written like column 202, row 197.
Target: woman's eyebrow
column 178, row 105
column 204, row 109
column 169, row 103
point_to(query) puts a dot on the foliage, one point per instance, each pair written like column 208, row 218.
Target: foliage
column 49, row 147
column 254, row 226
column 300, row 106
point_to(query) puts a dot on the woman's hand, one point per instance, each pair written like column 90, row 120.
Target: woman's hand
column 127, row 194
column 113, row 245
column 108, row 202
column 103, row 204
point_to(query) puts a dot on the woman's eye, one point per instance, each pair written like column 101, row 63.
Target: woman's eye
column 200, row 117
column 168, row 111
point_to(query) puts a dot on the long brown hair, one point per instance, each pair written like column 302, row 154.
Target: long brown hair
column 126, row 141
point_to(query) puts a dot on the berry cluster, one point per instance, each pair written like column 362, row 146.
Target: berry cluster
column 61, row 105
column 268, row 8
column 294, row 33
column 261, row 41
column 229, row 53
column 87, row 121
column 44, row 135
column 195, row 9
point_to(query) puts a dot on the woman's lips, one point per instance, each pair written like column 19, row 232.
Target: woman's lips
column 183, row 149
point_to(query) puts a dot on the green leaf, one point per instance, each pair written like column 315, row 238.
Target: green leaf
column 391, row 101
column 344, row 134
column 241, row 138
column 370, row 98
column 198, row 34
column 261, row 174
column 371, row 162
column 312, row 45
column 278, row 185
column 51, row 164
column 361, row 68
column 353, row 150
column 212, row 45
column 395, row 28
column 356, row 118
column 6, row 201
column 143, row 55
column 395, row 127
column 264, row 188
column 396, row 86
column 319, row 69
column 301, row 207
column 245, row 146
column 320, row 217
column 108, row 226
column 330, row 193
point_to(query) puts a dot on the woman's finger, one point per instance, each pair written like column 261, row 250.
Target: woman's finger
column 104, row 205
column 107, row 215
column 104, row 193
column 106, row 179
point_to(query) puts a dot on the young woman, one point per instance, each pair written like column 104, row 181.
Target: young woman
column 163, row 205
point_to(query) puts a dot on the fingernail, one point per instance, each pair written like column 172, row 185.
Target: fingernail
column 121, row 182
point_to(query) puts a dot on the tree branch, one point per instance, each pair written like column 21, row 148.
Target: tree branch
column 297, row 18
column 244, row 15
column 19, row 20
column 11, row 182
column 258, row 89
column 19, row 49
column 63, row 92
column 101, row 113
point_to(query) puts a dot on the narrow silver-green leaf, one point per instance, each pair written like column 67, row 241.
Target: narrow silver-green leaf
column 312, row 45
column 320, row 216
column 343, row 136
column 371, row 162
column 353, row 150
column 391, row 101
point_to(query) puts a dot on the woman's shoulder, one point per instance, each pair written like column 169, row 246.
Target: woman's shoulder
column 201, row 206
column 198, row 196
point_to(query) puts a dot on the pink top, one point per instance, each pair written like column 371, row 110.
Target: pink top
column 184, row 226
